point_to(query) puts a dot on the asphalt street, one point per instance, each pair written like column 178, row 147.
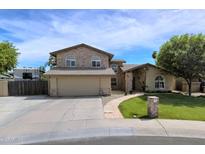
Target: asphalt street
column 129, row 140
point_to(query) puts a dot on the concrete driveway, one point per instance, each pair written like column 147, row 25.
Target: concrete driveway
column 18, row 113
column 38, row 119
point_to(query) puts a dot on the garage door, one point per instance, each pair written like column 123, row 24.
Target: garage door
column 78, row 85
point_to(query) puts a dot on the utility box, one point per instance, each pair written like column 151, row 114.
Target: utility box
column 152, row 106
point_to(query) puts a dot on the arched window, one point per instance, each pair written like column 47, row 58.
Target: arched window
column 96, row 61
column 159, row 82
column 70, row 61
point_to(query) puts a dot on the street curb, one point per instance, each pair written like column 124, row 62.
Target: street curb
column 86, row 133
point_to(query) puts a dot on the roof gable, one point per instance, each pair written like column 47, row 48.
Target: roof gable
column 132, row 67
column 81, row 45
column 126, row 67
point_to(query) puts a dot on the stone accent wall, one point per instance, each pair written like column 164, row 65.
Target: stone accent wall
column 121, row 80
column 140, row 79
column 128, row 81
column 83, row 57
column 119, row 77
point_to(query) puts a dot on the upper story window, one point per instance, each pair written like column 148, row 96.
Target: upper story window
column 27, row 75
column 159, row 82
column 71, row 62
column 96, row 61
column 114, row 67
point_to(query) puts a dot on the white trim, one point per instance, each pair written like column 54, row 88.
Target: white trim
column 70, row 59
column 96, row 60
column 160, row 88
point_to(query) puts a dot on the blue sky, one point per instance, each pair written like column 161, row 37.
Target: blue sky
column 129, row 34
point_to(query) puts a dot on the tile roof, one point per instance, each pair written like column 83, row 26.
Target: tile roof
column 82, row 45
column 118, row 60
column 126, row 67
column 131, row 67
column 107, row 71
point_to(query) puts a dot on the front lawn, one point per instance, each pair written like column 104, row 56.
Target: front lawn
column 171, row 106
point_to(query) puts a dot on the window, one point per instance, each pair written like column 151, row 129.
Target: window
column 27, row 75
column 114, row 67
column 96, row 62
column 159, row 82
column 113, row 81
column 71, row 62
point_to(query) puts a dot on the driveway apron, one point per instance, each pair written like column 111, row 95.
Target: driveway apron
column 26, row 115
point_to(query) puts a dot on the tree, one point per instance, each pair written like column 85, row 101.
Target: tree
column 154, row 55
column 42, row 70
column 52, row 61
column 184, row 56
column 8, row 56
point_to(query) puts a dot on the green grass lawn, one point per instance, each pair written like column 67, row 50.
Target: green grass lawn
column 171, row 106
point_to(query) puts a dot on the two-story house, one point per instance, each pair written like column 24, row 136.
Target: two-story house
column 80, row 70
column 83, row 70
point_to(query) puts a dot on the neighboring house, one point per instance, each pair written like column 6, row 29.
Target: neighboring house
column 85, row 70
column 6, row 76
column 26, row 73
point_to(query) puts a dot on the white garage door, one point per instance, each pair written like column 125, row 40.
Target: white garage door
column 78, row 85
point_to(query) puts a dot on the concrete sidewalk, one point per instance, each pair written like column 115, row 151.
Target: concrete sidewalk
column 111, row 110
column 43, row 132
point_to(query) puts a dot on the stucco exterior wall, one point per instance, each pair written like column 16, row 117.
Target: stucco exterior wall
column 83, row 57
column 79, row 85
column 52, row 85
column 3, row 88
column 152, row 73
column 105, row 85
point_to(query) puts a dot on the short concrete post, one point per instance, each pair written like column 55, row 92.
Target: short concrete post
column 152, row 106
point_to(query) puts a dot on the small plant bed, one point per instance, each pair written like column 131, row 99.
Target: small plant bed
column 171, row 106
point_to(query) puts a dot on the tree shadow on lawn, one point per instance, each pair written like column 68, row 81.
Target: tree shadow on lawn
column 177, row 99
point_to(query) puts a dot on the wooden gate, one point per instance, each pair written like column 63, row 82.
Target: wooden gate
column 27, row 87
